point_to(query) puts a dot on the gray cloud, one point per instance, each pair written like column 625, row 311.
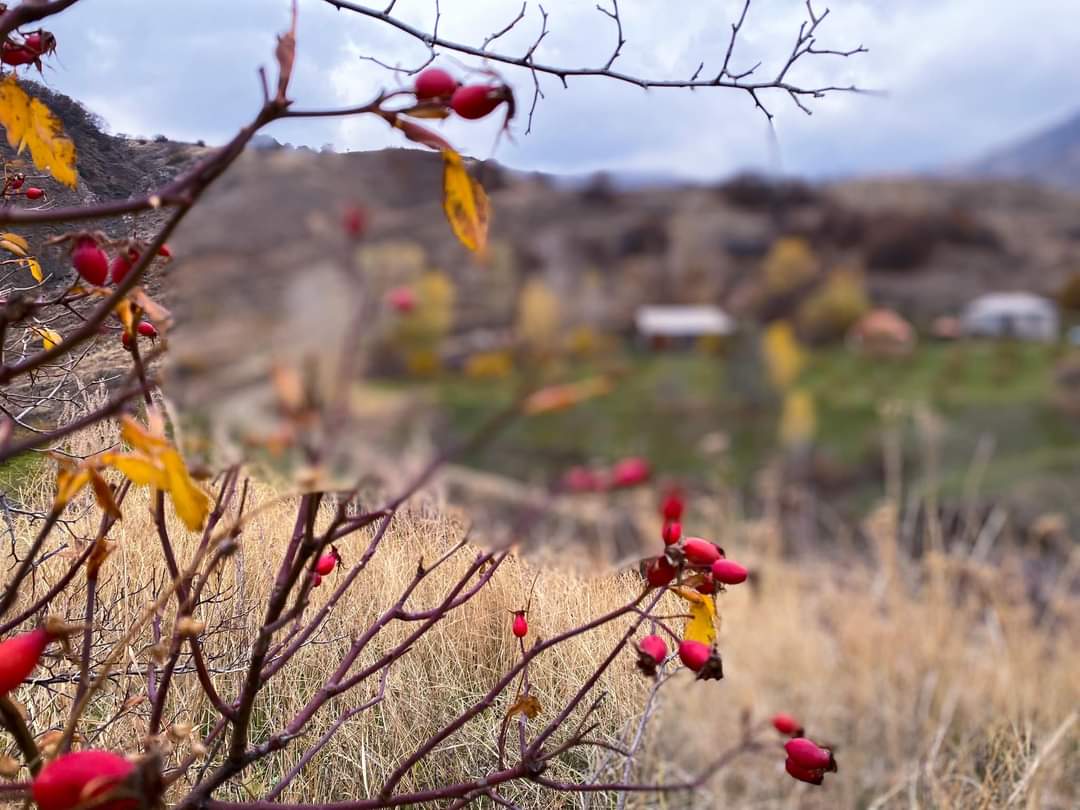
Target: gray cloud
column 962, row 76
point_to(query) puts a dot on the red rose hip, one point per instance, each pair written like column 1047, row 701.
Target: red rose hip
column 434, row 83
column 786, row 724
column 671, row 533
column 19, row 657
column 90, row 261
column 474, row 101
column 812, row 776
column 630, row 472
column 694, row 654
column 729, row 572
column 520, row 627
column 808, row 754
column 700, row 552
column 672, row 506
column 326, row 564
column 85, row 779
column 659, row 572
column 34, row 193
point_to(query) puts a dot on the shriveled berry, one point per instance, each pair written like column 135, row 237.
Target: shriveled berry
column 808, row 754
column 474, row 101
column 434, row 83
column 786, row 724
column 700, row 552
column 16, row 55
column 402, row 299
column 630, row 472
column 729, row 572
column 659, row 572
column 40, row 43
column 326, row 564
column 85, row 779
column 16, row 181
column 812, row 776
column 90, row 261
column 34, row 193
column 520, row 627
column 19, row 657
column 671, row 533
column 707, row 585
column 672, row 506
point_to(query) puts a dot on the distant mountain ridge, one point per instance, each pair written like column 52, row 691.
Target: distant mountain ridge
column 1051, row 157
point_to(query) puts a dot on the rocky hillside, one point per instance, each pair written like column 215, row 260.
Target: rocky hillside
column 926, row 246
column 1051, row 157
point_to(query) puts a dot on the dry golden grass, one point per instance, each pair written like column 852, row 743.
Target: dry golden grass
column 939, row 686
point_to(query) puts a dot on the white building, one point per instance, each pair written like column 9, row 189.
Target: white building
column 682, row 324
column 1016, row 314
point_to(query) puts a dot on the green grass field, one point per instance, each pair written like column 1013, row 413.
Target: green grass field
column 669, row 402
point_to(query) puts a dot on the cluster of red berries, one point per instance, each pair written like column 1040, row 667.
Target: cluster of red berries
column 630, row 472
column 806, row 760
column 93, row 265
column 695, row 562
column 471, row 101
column 29, row 51
column 325, row 565
column 75, row 779
column 15, row 186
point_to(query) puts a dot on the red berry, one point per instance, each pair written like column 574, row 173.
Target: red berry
column 630, row 472
column 672, row 506
column 435, row 83
column 16, row 181
column 660, row 572
column 15, row 55
column 164, row 251
column 19, row 657
column 813, row 776
column 520, row 626
column 672, row 532
column 808, row 754
column 700, row 552
column 119, row 267
column 402, row 299
column 125, row 340
column 355, row 221
column 316, row 581
column 147, row 329
column 729, row 572
column 694, row 654
column 786, row 724
column 78, row 779
column 581, row 479
column 654, row 647
column 476, row 100
column 90, row 261
column 326, row 564
column 33, row 193
column 40, row 43
column 707, row 585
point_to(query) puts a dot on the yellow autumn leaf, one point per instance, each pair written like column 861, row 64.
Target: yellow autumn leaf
column 465, row 203
column 13, row 243
column 49, row 337
column 140, row 471
column 560, row 397
column 192, row 504
column 69, row 482
column 126, row 315
column 31, row 125
column 140, row 438
column 527, row 705
column 701, row 626
column 34, row 266
column 784, row 356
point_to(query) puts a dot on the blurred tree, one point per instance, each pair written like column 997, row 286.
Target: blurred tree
column 829, row 312
column 539, row 317
column 789, row 264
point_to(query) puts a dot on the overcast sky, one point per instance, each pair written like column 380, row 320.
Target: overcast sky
column 962, row 76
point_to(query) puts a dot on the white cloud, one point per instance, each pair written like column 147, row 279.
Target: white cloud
column 962, row 76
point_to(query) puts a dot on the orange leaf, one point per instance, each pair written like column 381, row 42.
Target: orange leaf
column 465, row 203
column 526, row 705
column 137, row 469
column 31, row 125
column 191, row 503
column 103, row 494
column 561, row 397
column 69, row 482
column 422, row 135
column 140, row 438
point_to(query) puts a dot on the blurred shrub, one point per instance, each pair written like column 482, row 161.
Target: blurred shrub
column 749, row 190
column 539, row 317
column 419, row 333
column 899, row 241
column 648, row 238
column 1069, row 295
column 829, row 312
column 784, row 358
column 961, row 227
column 600, row 191
column 789, row 264
column 489, row 365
